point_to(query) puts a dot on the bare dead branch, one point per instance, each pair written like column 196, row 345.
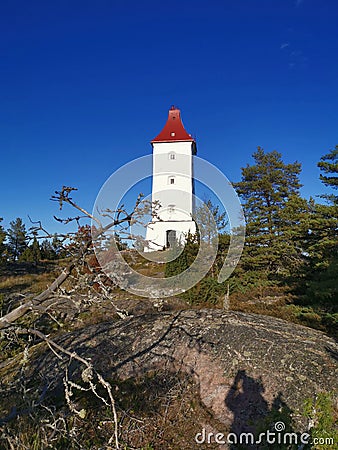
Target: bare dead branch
column 21, row 310
column 63, row 197
column 80, row 249
column 87, row 376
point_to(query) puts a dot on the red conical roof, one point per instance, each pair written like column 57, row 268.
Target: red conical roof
column 173, row 130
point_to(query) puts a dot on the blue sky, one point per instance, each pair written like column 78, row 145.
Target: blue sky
column 84, row 87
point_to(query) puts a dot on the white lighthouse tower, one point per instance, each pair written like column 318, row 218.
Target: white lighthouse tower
column 173, row 184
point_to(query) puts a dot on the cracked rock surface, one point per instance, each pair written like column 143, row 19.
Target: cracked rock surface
column 242, row 363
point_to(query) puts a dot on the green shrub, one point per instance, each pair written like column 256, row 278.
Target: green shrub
column 321, row 412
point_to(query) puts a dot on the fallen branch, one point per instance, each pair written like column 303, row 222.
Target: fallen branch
column 63, row 196
column 87, row 376
column 21, row 310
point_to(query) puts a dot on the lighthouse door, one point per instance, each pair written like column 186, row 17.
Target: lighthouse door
column 171, row 238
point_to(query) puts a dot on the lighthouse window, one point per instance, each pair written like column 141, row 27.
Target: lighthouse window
column 172, row 134
column 171, row 180
column 172, row 156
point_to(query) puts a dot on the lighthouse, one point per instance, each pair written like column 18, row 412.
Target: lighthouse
column 172, row 185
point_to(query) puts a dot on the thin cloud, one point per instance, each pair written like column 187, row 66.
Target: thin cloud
column 298, row 3
column 296, row 53
column 294, row 57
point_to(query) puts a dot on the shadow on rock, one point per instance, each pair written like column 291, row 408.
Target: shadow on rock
column 256, row 425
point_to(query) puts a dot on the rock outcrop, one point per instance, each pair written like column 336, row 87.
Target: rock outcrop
column 243, row 365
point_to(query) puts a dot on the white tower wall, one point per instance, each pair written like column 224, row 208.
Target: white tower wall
column 172, row 188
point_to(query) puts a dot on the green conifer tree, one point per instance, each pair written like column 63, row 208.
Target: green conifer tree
column 36, row 252
column 328, row 165
column 2, row 243
column 323, row 238
column 17, row 238
column 47, row 250
column 269, row 190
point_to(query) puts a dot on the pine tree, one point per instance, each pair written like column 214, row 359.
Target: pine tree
column 47, row 250
column 186, row 257
column 17, row 238
column 323, row 238
column 272, row 205
column 328, row 164
column 36, row 252
column 2, row 243
column 32, row 253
